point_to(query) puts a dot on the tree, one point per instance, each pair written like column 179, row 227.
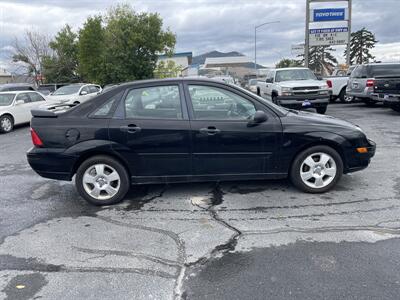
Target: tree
column 361, row 42
column 287, row 63
column 62, row 66
column 31, row 52
column 166, row 69
column 320, row 59
column 91, row 48
column 132, row 44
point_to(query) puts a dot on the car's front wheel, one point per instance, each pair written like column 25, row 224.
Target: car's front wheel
column 322, row 110
column 317, row 169
column 102, row 180
column 6, row 124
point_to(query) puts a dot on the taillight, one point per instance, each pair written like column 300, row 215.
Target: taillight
column 329, row 83
column 370, row 82
column 36, row 139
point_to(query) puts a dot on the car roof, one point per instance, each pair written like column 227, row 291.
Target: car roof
column 16, row 84
column 18, row 92
column 293, row 68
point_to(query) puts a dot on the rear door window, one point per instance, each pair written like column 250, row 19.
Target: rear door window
column 24, row 97
column 385, row 70
column 35, row 97
column 160, row 102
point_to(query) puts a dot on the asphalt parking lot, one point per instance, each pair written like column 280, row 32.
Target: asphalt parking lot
column 234, row 240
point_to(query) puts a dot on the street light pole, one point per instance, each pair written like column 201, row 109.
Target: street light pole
column 255, row 42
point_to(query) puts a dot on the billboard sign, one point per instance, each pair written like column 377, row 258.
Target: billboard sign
column 328, row 36
column 329, row 14
column 297, row 49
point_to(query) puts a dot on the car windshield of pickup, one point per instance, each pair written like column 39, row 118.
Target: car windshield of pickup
column 6, row 99
column 294, row 74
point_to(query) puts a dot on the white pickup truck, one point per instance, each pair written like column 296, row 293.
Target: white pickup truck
column 296, row 88
column 337, row 85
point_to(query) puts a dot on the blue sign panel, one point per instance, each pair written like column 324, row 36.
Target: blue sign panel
column 329, row 14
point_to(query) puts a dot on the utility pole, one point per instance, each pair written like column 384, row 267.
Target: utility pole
column 255, row 42
column 349, row 37
column 307, row 35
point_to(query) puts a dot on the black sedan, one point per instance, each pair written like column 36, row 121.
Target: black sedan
column 185, row 130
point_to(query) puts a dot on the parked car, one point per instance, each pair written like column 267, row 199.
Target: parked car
column 387, row 88
column 184, row 130
column 16, row 87
column 337, row 85
column 252, row 85
column 74, row 93
column 362, row 80
column 15, row 108
column 226, row 79
column 48, row 88
column 296, row 88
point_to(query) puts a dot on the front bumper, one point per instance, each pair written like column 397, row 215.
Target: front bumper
column 51, row 163
column 297, row 102
column 358, row 161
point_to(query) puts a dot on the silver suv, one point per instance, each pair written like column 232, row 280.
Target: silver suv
column 362, row 80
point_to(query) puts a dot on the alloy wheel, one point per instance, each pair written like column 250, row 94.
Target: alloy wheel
column 6, row 124
column 101, row 181
column 318, row 170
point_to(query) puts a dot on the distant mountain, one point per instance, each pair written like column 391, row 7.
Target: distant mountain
column 200, row 59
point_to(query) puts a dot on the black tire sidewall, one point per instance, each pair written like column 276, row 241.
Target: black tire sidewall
column 295, row 168
column 124, row 185
column 322, row 110
column 12, row 124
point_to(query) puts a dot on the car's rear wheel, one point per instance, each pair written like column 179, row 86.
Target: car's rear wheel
column 317, row 169
column 322, row 110
column 6, row 124
column 102, row 180
column 344, row 98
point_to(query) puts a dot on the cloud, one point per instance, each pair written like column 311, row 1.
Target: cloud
column 202, row 26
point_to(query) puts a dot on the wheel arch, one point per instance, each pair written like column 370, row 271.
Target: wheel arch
column 321, row 142
column 96, row 152
column 8, row 114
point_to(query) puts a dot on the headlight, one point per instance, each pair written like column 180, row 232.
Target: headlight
column 286, row 90
column 324, row 87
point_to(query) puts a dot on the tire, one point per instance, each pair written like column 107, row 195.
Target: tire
column 102, row 176
column 368, row 102
column 274, row 100
column 332, row 99
column 6, row 124
column 344, row 98
column 322, row 110
column 258, row 92
column 318, row 171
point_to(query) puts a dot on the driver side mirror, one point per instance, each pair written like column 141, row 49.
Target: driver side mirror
column 83, row 93
column 258, row 118
column 19, row 102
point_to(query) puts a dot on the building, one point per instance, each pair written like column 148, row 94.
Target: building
column 182, row 60
column 5, row 77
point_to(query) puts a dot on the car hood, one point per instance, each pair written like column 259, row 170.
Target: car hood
column 317, row 121
column 301, row 83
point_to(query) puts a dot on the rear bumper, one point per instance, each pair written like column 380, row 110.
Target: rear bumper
column 366, row 93
column 51, row 163
column 358, row 161
column 298, row 102
column 389, row 100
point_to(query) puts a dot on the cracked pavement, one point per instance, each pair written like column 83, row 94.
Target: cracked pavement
column 233, row 240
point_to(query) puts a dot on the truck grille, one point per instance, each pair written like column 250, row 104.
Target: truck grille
column 305, row 93
column 305, row 88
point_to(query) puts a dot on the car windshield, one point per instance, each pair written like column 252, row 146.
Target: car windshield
column 6, row 99
column 67, row 90
column 385, row 70
column 253, row 82
column 294, row 74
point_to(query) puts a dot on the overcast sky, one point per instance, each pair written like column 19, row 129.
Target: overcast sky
column 205, row 25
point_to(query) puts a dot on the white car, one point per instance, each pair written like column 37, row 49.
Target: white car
column 15, row 108
column 74, row 93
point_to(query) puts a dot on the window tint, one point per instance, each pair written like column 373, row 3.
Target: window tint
column 211, row 103
column 35, row 97
column 105, row 109
column 162, row 102
column 24, row 97
column 93, row 89
column 385, row 70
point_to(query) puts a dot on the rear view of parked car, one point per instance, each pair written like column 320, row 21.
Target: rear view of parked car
column 185, row 130
column 387, row 88
column 9, row 87
column 15, row 108
column 362, row 80
column 74, row 93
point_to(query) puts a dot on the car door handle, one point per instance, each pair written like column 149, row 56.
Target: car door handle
column 211, row 130
column 131, row 128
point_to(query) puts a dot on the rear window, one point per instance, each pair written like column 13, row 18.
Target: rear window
column 385, row 70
